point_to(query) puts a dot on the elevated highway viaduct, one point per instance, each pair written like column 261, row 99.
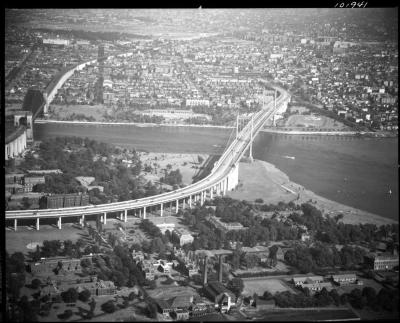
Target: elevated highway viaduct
column 223, row 177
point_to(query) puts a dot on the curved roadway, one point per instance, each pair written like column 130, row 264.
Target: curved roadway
column 219, row 173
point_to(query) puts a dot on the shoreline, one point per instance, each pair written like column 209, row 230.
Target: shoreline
column 266, row 130
column 273, row 185
column 331, row 133
column 137, row 124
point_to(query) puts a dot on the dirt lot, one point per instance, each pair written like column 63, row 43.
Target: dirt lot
column 261, row 285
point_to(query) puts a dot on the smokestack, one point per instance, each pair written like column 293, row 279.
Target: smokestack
column 205, row 271
column 220, row 269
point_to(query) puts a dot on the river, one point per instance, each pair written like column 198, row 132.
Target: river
column 355, row 171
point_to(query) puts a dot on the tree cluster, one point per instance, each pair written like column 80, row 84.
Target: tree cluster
column 75, row 156
column 174, row 177
column 330, row 230
column 320, row 255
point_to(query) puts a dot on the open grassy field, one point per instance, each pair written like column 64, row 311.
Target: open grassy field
column 58, row 112
column 18, row 240
column 260, row 285
column 315, row 121
column 166, row 292
column 306, row 314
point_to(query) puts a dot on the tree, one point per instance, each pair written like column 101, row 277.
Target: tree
column 344, row 298
column 236, row 286
column 267, row 295
column 26, row 203
column 335, row 296
column 131, row 296
column 152, row 310
column 108, row 307
column 70, row 295
column 36, row 283
column 15, row 283
column 66, row 315
column 84, row 295
column 16, row 263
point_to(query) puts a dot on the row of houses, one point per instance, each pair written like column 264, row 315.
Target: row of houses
column 317, row 283
column 21, row 183
column 95, row 287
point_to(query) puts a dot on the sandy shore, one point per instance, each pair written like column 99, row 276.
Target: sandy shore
column 188, row 164
column 263, row 180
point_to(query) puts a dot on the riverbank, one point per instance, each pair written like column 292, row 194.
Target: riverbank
column 331, row 133
column 263, row 180
column 137, row 124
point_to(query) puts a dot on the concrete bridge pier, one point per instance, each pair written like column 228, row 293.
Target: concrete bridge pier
column 37, row 224
column 125, row 216
column 15, row 224
column 220, row 268
column 161, row 209
column 211, row 192
column 103, row 218
column 190, row 201
column 183, row 204
column 59, row 222
column 82, row 220
column 201, row 197
column 177, row 206
column 144, row 212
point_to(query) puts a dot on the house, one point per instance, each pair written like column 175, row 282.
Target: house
column 299, row 281
column 47, row 265
column 183, row 236
column 137, row 256
column 49, row 290
column 181, row 302
column 344, row 279
column 148, row 269
column 180, row 315
column 316, row 287
column 163, row 306
column 222, row 297
column 384, row 261
column 30, row 181
column 201, row 307
column 98, row 288
column 163, row 266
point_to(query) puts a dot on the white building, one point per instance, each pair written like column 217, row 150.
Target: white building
column 184, row 236
column 56, row 41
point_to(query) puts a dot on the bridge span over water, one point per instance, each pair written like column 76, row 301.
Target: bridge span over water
column 222, row 178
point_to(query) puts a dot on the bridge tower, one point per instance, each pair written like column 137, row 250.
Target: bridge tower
column 100, row 76
column 251, row 140
column 273, row 117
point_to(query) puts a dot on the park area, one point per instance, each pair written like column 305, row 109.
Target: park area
column 260, row 285
column 311, row 121
column 167, row 292
column 63, row 112
column 26, row 236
